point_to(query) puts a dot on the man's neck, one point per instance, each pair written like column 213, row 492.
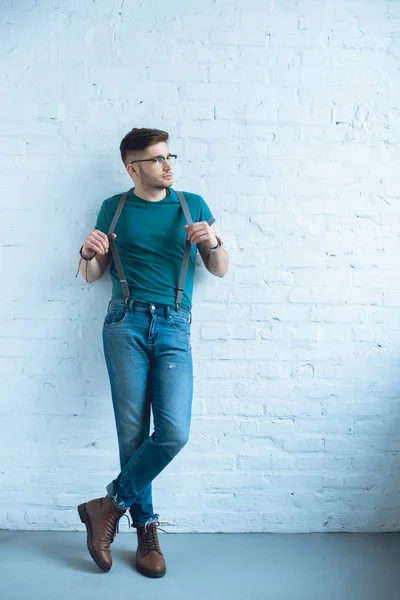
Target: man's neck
column 150, row 194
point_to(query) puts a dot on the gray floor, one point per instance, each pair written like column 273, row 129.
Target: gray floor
column 56, row 565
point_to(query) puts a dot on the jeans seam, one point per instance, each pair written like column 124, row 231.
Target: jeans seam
column 144, row 447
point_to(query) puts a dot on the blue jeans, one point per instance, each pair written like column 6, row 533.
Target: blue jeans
column 148, row 354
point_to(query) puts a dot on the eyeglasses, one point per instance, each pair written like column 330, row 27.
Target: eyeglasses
column 158, row 160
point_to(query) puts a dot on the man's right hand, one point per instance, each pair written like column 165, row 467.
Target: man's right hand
column 96, row 242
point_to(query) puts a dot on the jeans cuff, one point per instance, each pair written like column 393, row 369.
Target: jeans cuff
column 137, row 523
column 113, row 496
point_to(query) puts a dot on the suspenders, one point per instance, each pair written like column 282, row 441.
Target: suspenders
column 113, row 248
column 186, row 253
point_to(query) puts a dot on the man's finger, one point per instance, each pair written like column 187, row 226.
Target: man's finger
column 199, row 238
column 100, row 234
column 197, row 225
column 100, row 241
column 95, row 247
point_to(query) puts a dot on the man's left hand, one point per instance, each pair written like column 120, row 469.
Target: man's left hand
column 201, row 233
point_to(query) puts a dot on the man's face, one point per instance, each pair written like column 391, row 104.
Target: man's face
column 149, row 173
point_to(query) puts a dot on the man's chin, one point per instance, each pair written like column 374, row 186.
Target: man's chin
column 164, row 187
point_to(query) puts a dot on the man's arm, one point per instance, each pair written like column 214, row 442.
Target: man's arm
column 96, row 246
column 217, row 263
column 93, row 269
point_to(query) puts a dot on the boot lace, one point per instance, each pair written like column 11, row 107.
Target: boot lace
column 112, row 527
column 149, row 538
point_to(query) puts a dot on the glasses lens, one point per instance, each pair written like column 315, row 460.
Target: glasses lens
column 172, row 160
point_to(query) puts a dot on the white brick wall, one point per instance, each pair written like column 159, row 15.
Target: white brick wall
column 285, row 115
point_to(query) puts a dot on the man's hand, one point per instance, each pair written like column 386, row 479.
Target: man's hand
column 201, row 232
column 97, row 242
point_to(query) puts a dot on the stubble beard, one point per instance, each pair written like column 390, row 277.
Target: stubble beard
column 154, row 182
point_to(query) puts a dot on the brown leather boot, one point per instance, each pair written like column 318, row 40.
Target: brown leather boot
column 149, row 558
column 101, row 517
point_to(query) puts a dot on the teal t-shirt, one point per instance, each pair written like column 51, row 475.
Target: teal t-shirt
column 150, row 242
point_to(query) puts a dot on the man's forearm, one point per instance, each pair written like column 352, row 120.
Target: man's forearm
column 217, row 262
column 91, row 270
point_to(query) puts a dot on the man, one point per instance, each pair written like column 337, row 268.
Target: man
column 146, row 334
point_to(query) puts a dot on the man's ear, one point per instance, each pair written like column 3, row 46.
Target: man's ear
column 131, row 170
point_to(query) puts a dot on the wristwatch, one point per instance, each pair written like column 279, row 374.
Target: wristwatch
column 218, row 246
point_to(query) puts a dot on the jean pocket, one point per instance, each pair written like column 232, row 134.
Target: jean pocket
column 115, row 317
column 181, row 324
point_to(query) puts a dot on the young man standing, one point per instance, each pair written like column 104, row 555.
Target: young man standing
column 146, row 334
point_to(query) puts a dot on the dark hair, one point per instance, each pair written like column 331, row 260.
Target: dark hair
column 138, row 140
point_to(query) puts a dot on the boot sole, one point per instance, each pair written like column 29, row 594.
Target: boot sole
column 84, row 517
column 152, row 574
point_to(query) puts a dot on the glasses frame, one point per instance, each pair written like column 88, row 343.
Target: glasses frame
column 155, row 158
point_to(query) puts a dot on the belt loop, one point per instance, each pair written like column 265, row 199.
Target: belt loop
column 190, row 318
column 108, row 307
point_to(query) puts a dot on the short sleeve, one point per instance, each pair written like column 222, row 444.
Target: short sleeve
column 205, row 212
column 102, row 221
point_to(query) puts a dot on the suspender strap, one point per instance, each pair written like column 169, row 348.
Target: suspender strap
column 114, row 252
column 186, row 253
